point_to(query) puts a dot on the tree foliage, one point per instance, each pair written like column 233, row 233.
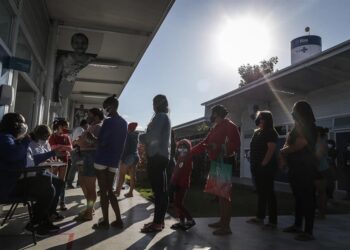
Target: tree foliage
column 250, row 73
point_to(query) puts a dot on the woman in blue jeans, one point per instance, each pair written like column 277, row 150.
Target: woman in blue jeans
column 157, row 143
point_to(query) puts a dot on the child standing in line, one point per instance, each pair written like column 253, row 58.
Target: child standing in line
column 61, row 139
column 180, row 183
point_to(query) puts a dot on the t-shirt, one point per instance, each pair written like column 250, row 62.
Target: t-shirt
column 83, row 141
column 258, row 146
column 77, row 132
column 130, row 145
column 63, row 139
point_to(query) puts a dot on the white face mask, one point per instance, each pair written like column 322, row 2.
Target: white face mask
column 23, row 130
column 42, row 142
column 182, row 151
column 348, row 148
column 330, row 146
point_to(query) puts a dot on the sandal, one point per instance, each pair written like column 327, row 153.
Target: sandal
column 83, row 217
column 101, row 225
column 150, row 229
column 128, row 195
column 215, row 225
column 118, row 224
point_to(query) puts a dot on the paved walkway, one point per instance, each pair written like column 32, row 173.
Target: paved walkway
column 332, row 233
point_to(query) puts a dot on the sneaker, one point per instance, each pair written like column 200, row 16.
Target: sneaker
column 56, row 217
column 50, row 227
column 189, row 224
column 42, row 231
column 304, row 237
column 39, row 230
column 292, row 229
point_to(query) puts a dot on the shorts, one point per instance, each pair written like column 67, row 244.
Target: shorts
column 130, row 160
column 85, row 163
column 103, row 167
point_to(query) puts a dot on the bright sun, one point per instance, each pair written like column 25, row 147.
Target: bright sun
column 243, row 40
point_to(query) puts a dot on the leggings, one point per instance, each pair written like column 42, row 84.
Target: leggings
column 156, row 168
column 179, row 199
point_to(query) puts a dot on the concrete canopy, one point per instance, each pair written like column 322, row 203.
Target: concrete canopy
column 119, row 33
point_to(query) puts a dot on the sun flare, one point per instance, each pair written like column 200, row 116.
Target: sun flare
column 243, row 40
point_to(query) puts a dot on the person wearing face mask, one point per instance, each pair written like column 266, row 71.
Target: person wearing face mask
column 129, row 160
column 39, row 151
column 263, row 158
column 299, row 152
column 60, row 139
column 223, row 140
column 180, row 183
column 110, row 146
column 346, row 168
column 87, row 143
column 14, row 144
column 72, row 169
column 157, row 141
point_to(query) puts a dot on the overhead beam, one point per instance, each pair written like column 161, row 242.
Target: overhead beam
column 112, row 62
column 88, row 80
column 103, row 28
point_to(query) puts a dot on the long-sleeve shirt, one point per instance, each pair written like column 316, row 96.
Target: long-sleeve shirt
column 224, row 133
column 38, row 153
column 111, row 141
column 157, row 136
column 13, row 155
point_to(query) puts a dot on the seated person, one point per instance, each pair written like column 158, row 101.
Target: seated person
column 40, row 151
column 14, row 143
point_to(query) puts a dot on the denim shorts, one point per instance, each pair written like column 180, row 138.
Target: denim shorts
column 85, row 163
column 130, row 160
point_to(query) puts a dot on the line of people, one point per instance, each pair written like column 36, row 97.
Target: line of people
column 109, row 143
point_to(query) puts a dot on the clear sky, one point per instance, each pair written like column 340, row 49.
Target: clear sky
column 195, row 54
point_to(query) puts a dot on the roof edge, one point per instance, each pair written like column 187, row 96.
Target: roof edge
column 285, row 71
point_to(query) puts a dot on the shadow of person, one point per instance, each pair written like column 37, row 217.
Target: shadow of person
column 181, row 240
column 132, row 216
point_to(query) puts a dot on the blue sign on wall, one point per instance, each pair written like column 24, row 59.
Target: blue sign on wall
column 19, row 64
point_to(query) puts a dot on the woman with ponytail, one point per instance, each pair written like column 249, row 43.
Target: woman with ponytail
column 110, row 146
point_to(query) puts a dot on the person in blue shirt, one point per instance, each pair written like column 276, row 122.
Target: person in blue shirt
column 110, row 146
column 14, row 144
column 129, row 161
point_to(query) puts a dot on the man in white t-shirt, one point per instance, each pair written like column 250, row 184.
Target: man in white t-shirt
column 72, row 170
